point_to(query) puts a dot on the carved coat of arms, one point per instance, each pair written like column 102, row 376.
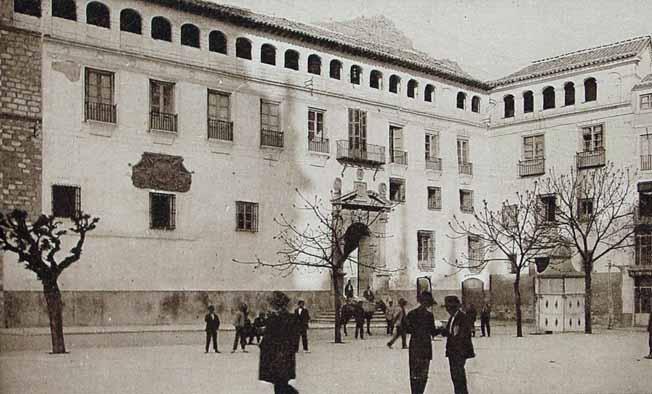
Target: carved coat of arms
column 161, row 172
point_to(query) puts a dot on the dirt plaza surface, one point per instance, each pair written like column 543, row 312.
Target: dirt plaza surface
column 609, row 362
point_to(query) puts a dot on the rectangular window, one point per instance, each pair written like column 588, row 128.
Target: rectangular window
column 397, row 190
column 98, row 96
column 161, row 106
column 643, row 244
column 466, row 201
column 646, row 101
column 66, row 201
column 315, row 125
column 434, row 197
column 510, row 216
column 592, row 138
column 220, row 126
column 431, row 146
column 462, row 151
column 533, row 147
column 397, row 154
column 584, row 208
column 475, row 253
column 246, row 216
column 548, row 208
column 645, row 204
column 357, row 129
column 425, row 250
column 162, row 211
column 270, row 124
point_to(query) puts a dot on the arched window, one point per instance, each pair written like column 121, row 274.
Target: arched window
column 548, row 97
column 161, row 29
column 394, row 82
column 528, row 101
column 356, row 72
column 429, row 93
column 461, row 100
column 412, row 88
column 508, row 101
column 292, row 59
column 314, row 64
column 130, row 21
column 590, row 90
column 98, row 14
column 217, row 42
column 243, row 48
column 375, row 79
column 475, row 104
column 268, row 54
column 335, row 69
column 190, row 35
column 569, row 93
column 66, row 9
column 28, row 7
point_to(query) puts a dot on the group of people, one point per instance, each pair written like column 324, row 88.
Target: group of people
column 485, row 318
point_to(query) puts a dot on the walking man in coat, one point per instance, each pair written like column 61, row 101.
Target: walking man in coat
column 485, row 320
column 358, row 315
column 212, row 325
column 303, row 318
column 420, row 323
column 240, row 332
column 459, row 347
column 389, row 317
column 399, row 323
column 348, row 290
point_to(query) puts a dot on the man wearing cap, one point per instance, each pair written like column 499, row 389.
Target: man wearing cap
column 420, row 323
column 212, row 325
column 458, row 344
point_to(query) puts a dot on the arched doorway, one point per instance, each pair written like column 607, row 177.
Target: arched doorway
column 473, row 292
column 361, row 256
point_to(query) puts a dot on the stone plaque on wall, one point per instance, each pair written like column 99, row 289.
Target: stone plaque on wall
column 161, row 172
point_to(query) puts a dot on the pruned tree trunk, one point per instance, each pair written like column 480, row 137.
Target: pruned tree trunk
column 588, row 297
column 55, row 313
column 517, row 305
column 337, row 302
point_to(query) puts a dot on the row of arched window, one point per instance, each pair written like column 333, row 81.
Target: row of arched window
column 548, row 96
column 461, row 102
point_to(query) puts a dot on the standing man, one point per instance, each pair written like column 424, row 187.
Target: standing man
column 348, row 290
column 472, row 314
column 239, row 324
column 485, row 321
column 389, row 317
column 649, row 330
column 369, row 294
column 303, row 318
column 420, row 323
column 399, row 323
column 458, row 345
column 358, row 315
column 212, row 325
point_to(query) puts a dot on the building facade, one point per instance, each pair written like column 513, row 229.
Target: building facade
column 188, row 127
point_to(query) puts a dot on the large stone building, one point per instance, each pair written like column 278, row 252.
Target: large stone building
column 187, row 126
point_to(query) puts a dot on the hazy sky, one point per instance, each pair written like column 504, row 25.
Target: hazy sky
column 488, row 38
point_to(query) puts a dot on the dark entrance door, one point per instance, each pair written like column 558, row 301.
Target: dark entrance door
column 473, row 292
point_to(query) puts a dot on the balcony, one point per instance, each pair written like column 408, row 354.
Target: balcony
column 220, row 130
column 590, row 159
column 465, row 168
column 646, row 162
column 532, row 167
column 100, row 112
column 363, row 153
column 271, row 138
column 398, row 156
column 642, row 216
column 320, row 145
column 163, row 121
column 433, row 163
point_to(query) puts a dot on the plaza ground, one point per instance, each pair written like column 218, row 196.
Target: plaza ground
column 609, row 362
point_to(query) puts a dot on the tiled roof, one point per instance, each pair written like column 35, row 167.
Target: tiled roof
column 578, row 59
column 644, row 83
column 410, row 59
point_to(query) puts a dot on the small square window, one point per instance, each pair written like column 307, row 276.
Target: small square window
column 246, row 216
column 434, row 198
column 646, row 101
column 162, row 211
column 66, row 201
column 397, row 190
column 466, row 201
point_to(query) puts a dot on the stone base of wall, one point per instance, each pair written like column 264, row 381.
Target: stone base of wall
column 124, row 308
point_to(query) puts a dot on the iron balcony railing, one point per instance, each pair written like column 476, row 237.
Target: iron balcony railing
column 220, row 130
column 100, row 112
column 320, row 145
column 589, row 159
column 398, row 156
column 271, row 138
column 646, row 162
column 361, row 153
column 433, row 163
column 465, row 168
column 531, row 167
column 163, row 121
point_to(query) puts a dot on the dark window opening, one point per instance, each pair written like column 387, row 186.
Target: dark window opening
column 268, row 54
column 190, row 35
column 66, row 9
column 217, row 42
column 590, row 90
column 66, row 201
column 434, row 198
column 569, row 93
column 292, row 59
column 243, row 48
column 645, row 204
column 412, row 88
column 396, row 190
column 466, row 201
column 509, row 106
column 375, row 77
column 528, row 102
column 549, row 97
column 541, row 263
column 356, row 71
column 314, row 64
column 161, row 29
column 461, row 100
column 335, row 69
column 28, row 7
column 475, row 104
column 549, row 208
column 584, row 208
column 130, row 21
column 246, row 216
column 162, row 211
column 98, row 14
column 428, row 93
column 394, row 82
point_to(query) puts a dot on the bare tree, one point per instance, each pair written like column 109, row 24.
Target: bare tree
column 514, row 230
column 37, row 245
column 594, row 214
column 323, row 244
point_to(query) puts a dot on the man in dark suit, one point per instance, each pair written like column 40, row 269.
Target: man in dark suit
column 348, row 290
column 459, row 347
column 212, row 325
column 485, row 320
column 649, row 330
column 303, row 318
column 420, row 323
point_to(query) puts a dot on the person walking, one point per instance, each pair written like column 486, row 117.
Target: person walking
column 389, row 317
column 303, row 318
column 420, row 323
column 399, row 324
column 358, row 315
column 259, row 326
column 472, row 314
column 348, row 290
column 649, row 330
column 239, row 324
column 485, row 321
column 277, row 363
column 212, row 325
column 459, row 346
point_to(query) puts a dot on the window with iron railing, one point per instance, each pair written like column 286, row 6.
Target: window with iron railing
column 425, row 250
column 396, row 153
column 317, row 141
column 98, row 96
column 646, row 152
column 466, row 201
column 584, row 209
column 509, row 216
column 463, row 164
column 434, row 197
column 66, row 201
column 643, row 245
column 162, row 116
column 162, row 211
column 220, row 126
column 246, row 216
column 533, row 162
column 397, row 190
column 475, row 253
column 548, row 208
column 270, row 124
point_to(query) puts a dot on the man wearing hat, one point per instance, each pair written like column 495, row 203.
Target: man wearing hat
column 420, row 323
column 458, row 344
column 212, row 325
